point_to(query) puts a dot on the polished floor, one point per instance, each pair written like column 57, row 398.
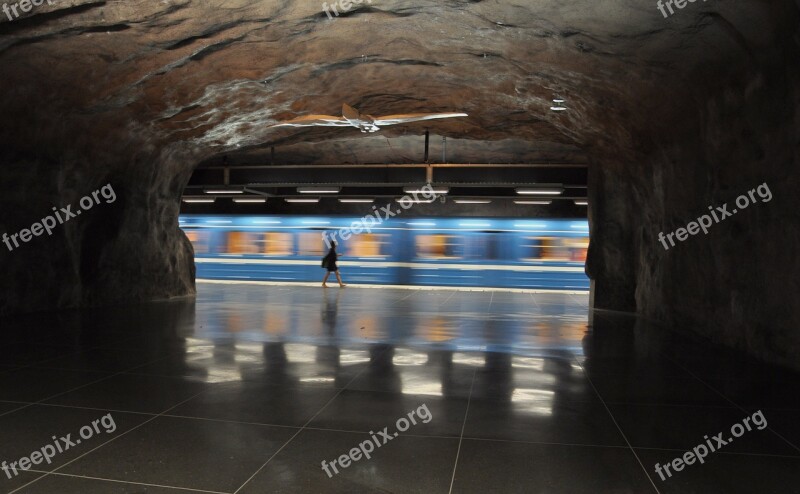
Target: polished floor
column 248, row 389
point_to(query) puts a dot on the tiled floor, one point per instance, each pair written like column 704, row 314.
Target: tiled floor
column 247, row 389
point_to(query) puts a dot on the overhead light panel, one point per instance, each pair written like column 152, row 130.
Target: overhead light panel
column 539, row 203
column 356, row 199
column 224, row 191
column 581, row 202
column 199, row 200
column 302, row 199
column 543, row 191
column 420, row 190
column 250, row 200
column 472, row 201
column 319, row 190
column 414, row 201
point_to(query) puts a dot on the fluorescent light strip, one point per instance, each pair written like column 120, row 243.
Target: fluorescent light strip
column 356, row 200
column 543, row 191
column 472, row 201
column 542, row 203
column 318, row 190
column 418, row 201
column 581, row 202
column 203, row 201
column 253, row 200
column 223, row 191
column 302, row 199
column 418, row 190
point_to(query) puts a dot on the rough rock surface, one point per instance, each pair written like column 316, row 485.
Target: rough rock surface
column 673, row 114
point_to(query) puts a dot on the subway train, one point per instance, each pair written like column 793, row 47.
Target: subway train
column 464, row 252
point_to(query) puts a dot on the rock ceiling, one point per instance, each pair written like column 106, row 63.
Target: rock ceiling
column 215, row 74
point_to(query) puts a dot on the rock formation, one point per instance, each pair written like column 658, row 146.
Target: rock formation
column 674, row 114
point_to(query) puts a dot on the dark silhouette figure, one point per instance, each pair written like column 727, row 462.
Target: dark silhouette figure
column 329, row 262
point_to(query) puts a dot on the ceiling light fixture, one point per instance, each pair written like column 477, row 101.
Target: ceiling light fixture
column 252, row 200
column 540, row 203
column 303, row 199
column 420, row 190
column 544, row 191
column 223, row 191
column 581, row 202
column 356, row 199
column 472, row 201
column 414, row 201
column 199, row 200
column 319, row 190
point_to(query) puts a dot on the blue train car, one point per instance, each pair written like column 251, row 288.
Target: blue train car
column 468, row 252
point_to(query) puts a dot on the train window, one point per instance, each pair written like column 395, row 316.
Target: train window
column 437, row 246
column 278, row 244
column 578, row 248
column 244, row 243
column 482, row 246
column 532, row 249
column 310, row 244
column 368, row 245
column 555, row 249
column 199, row 240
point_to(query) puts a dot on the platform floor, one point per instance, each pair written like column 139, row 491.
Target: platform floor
column 247, row 389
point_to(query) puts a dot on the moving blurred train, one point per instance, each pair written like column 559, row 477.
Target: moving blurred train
column 470, row 252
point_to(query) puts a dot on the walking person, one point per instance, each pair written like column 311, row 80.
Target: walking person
column 329, row 262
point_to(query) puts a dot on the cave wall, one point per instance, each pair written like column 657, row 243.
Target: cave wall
column 125, row 248
column 739, row 283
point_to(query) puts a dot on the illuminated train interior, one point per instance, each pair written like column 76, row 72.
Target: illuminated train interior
column 466, row 252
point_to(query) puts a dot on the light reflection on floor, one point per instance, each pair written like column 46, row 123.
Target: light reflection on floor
column 521, row 323
column 245, row 389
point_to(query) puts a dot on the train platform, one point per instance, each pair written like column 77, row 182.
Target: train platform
column 252, row 388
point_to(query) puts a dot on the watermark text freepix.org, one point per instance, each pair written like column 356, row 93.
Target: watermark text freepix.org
column 48, row 452
column 700, row 451
column 704, row 221
column 365, row 448
column 678, row 3
column 23, row 5
column 367, row 222
column 345, row 5
column 48, row 223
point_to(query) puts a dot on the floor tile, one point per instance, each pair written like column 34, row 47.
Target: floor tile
column 16, row 481
column 492, row 466
column 134, row 393
column 366, row 410
column 643, row 389
column 404, row 464
column 682, row 427
column 725, row 473
column 255, row 402
column 32, row 429
column 63, row 484
column 34, row 384
column 541, row 420
column 199, row 454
